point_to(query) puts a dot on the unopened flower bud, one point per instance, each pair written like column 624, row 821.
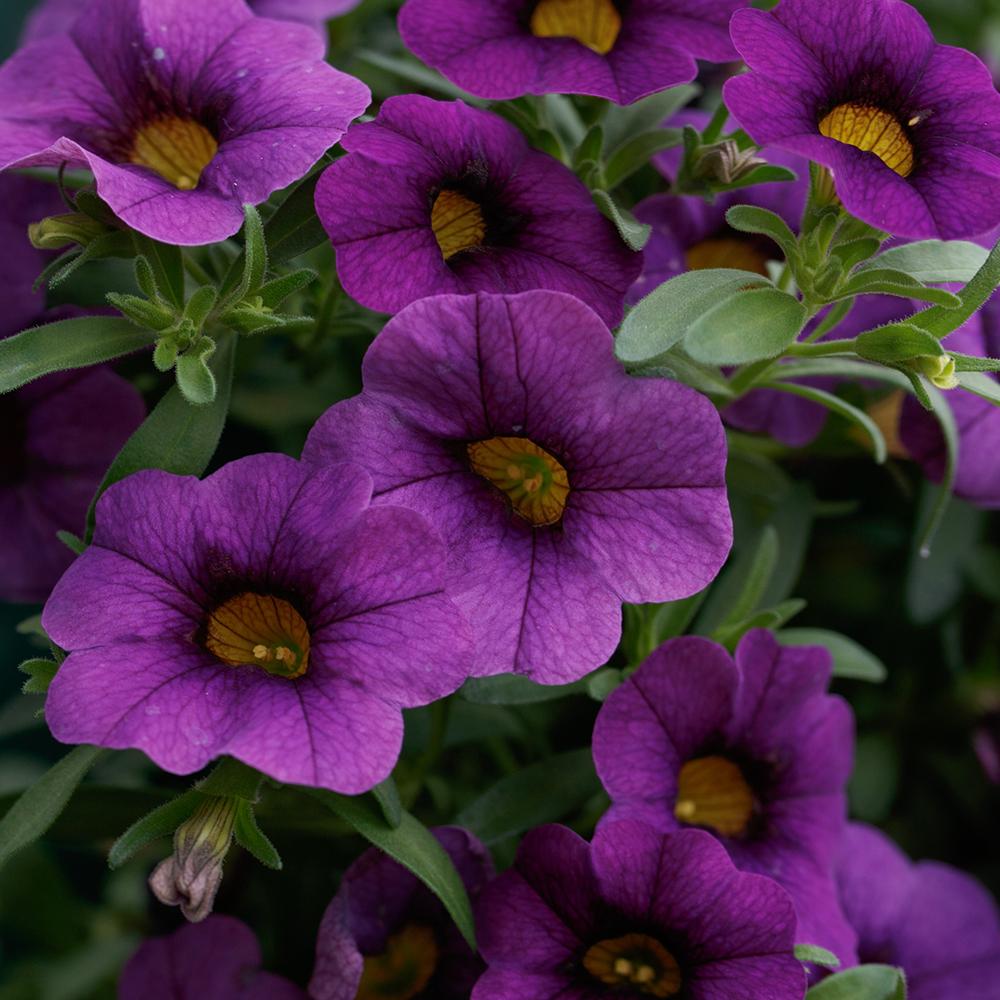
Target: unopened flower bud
column 191, row 876
column 940, row 369
column 725, row 162
column 58, row 231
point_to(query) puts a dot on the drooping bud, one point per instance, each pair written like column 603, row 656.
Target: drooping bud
column 191, row 876
column 58, row 231
column 939, row 369
column 725, row 162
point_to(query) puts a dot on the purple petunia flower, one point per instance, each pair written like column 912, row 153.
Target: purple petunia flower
column 54, row 17
column 218, row 959
column 265, row 612
column 635, row 914
column 501, row 49
column 183, row 111
column 910, row 128
column 562, row 485
column 749, row 748
column 61, row 432
column 437, row 197
column 386, row 935
column 977, row 420
column 936, row 922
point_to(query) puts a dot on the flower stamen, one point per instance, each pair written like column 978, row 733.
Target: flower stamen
column 261, row 631
column 637, row 961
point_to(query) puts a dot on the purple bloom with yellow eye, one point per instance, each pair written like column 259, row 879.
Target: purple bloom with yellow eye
column 937, row 923
column 54, row 17
column 618, row 49
column 561, row 485
column 748, row 747
column 266, row 613
column 909, row 128
column 440, row 198
column 183, row 111
column 218, row 959
column 635, row 914
column 386, row 936
column 977, row 420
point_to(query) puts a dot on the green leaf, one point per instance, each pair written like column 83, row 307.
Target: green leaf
column 853, row 252
column 176, row 437
column 842, row 367
column 635, row 233
column 663, row 317
column 161, row 822
column 251, row 838
column 194, row 376
column 884, row 281
column 413, row 846
column 295, row 228
column 676, row 365
column 841, row 407
column 513, row 689
column 38, row 806
column 897, row 342
column 66, row 344
column 771, row 618
column 602, row 682
column 201, row 303
column 941, row 321
column 981, row 384
column 278, row 289
column 72, row 542
column 387, row 796
column 816, row 956
column 540, row 793
column 942, row 497
column 142, row 312
column 751, row 219
column 416, row 73
column 40, row 673
column 849, row 659
column 767, row 173
column 254, row 253
column 636, row 153
column 749, row 326
column 168, row 267
column 934, row 261
column 621, row 122
column 762, row 566
column 589, row 150
column 864, row 982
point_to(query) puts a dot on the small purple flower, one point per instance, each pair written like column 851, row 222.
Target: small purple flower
column 501, row 49
column 218, row 959
column 562, row 485
column 386, row 935
column 266, row 613
column 749, row 748
column 54, row 17
column 977, row 420
column 936, row 922
column 910, row 128
column 183, row 111
column 437, row 198
column 635, row 914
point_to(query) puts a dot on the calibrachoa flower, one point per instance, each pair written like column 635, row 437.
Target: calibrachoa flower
column 265, row 612
column 437, row 197
column 750, row 748
column 635, row 914
column 53, row 17
column 562, row 485
column 385, row 936
column 939, row 924
column 910, row 128
column 977, row 420
column 501, row 49
column 183, row 111
column 215, row 960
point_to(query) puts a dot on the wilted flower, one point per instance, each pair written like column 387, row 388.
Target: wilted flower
column 562, row 486
column 266, row 613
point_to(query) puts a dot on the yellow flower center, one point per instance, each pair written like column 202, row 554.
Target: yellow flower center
column 872, row 130
column 404, row 969
column 712, row 792
column 259, row 630
column 594, row 23
column 457, row 222
column 637, row 961
column 535, row 482
column 727, row 251
column 178, row 149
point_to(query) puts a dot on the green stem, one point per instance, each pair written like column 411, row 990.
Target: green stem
column 827, row 347
column 196, row 270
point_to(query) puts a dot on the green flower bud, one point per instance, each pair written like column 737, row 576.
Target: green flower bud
column 940, row 369
column 58, row 231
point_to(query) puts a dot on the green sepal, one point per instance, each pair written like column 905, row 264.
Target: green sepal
column 116, row 244
column 161, row 822
column 167, row 265
column 973, row 363
column 232, row 778
column 254, row 253
column 896, row 342
column 40, row 673
column 251, row 838
column 145, row 278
